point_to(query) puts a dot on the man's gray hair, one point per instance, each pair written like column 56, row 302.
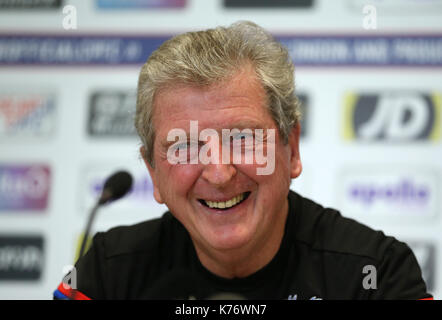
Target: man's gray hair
column 207, row 57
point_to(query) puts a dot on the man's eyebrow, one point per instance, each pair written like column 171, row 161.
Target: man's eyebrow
column 166, row 143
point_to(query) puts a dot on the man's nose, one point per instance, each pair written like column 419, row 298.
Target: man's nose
column 218, row 174
column 216, row 171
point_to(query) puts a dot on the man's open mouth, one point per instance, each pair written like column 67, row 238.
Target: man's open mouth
column 224, row 205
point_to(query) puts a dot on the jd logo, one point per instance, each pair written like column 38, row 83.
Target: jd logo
column 393, row 116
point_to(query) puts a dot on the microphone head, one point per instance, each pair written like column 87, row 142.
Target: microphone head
column 116, row 186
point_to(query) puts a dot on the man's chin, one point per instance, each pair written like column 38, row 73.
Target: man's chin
column 228, row 241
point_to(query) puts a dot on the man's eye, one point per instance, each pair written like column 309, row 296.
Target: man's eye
column 186, row 146
column 182, row 146
column 241, row 136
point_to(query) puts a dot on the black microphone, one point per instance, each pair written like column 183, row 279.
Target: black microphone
column 115, row 187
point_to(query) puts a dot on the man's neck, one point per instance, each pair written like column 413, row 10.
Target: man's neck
column 244, row 261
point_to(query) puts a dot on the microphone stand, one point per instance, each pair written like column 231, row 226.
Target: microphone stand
column 105, row 196
column 88, row 228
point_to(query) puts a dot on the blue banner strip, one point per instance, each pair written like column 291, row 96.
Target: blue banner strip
column 340, row 50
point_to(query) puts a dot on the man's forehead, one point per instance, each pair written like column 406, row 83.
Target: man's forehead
column 227, row 127
column 238, row 84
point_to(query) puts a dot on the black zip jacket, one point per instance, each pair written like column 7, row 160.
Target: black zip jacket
column 322, row 256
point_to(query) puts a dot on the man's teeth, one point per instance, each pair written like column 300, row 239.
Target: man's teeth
column 225, row 204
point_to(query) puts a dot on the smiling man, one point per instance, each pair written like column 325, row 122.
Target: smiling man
column 233, row 224
column 229, row 210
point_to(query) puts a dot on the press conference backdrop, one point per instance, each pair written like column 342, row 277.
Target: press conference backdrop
column 368, row 72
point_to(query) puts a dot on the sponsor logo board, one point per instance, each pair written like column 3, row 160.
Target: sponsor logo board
column 140, row 4
column 139, row 199
column 268, row 3
column 112, row 113
column 30, row 4
column 27, row 115
column 21, row 257
column 417, row 51
column 401, row 116
column 359, row 51
column 399, row 194
column 76, row 49
column 24, row 187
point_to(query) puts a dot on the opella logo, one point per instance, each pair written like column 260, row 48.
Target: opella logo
column 21, row 257
column 137, row 200
column 139, row 203
column 142, row 189
column 27, row 114
column 392, row 116
column 389, row 192
column 402, row 192
column 24, row 187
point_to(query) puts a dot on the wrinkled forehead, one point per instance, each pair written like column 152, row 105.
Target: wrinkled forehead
column 243, row 85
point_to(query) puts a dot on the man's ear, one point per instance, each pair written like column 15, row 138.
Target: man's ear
column 152, row 173
column 295, row 157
